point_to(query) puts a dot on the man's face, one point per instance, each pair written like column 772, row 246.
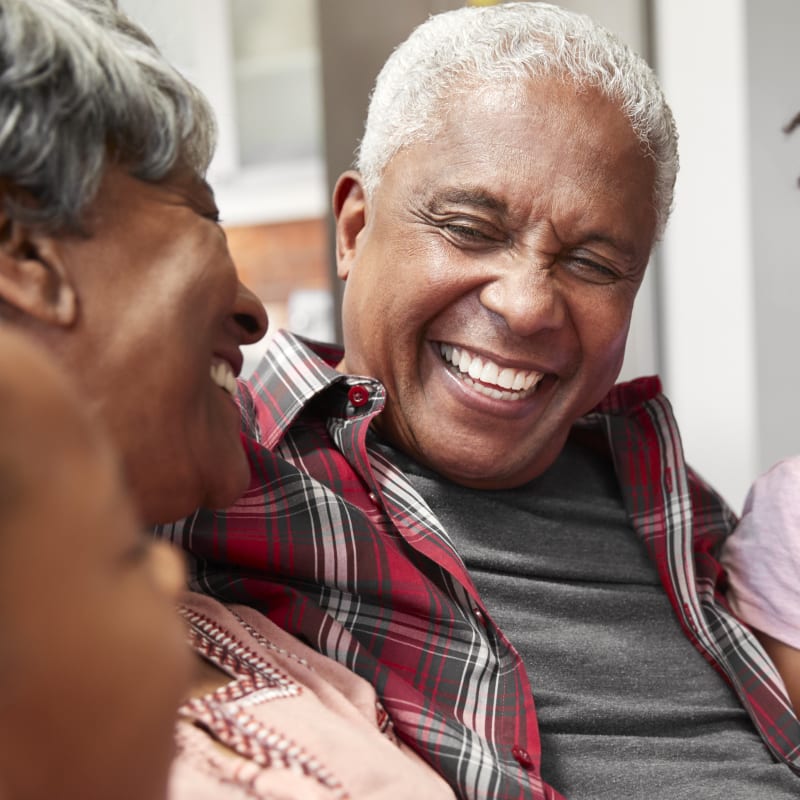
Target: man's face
column 94, row 661
column 491, row 277
column 161, row 317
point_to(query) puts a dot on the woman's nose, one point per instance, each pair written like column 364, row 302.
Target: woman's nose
column 250, row 315
column 168, row 568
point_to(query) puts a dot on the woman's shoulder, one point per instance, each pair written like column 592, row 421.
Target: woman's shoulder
column 284, row 720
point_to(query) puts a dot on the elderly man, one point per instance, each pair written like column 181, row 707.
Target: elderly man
column 509, row 547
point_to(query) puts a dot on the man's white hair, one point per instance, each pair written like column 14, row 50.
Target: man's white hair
column 473, row 47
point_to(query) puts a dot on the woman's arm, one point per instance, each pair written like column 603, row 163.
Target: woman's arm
column 787, row 660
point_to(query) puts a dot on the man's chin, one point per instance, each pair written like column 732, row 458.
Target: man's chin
column 465, row 469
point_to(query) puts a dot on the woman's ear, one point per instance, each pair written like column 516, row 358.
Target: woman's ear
column 350, row 211
column 32, row 275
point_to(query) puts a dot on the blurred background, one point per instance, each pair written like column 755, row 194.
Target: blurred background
column 717, row 317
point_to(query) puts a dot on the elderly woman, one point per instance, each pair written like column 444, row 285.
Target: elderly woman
column 113, row 260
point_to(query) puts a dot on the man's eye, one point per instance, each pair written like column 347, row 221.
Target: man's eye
column 591, row 270
column 465, row 231
column 468, row 234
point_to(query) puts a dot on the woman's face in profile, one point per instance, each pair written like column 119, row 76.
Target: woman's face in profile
column 94, row 662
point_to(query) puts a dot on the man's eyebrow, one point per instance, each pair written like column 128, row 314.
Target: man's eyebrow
column 625, row 249
column 478, row 198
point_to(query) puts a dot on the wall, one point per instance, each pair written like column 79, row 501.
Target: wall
column 731, row 70
column 708, row 320
column 773, row 83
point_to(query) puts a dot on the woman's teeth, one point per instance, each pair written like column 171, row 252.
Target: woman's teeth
column 488, row 378
column 222, row 375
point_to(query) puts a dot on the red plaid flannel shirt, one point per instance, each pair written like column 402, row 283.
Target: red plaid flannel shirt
column 336, row 547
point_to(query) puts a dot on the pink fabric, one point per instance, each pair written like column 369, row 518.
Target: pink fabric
column 291, row 724
column 762, row 555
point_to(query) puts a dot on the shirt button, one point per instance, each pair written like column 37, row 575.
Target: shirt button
column 358, row 395
column 522, row 757
column 479, row 615
column 374, row 499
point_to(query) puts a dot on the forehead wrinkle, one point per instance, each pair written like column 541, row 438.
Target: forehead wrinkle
column 465, row 196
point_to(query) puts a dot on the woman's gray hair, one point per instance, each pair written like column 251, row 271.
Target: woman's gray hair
column 82, row 85
column 472, row 47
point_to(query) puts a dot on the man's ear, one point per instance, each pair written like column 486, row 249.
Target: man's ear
column 350, row 210
column 32, row 275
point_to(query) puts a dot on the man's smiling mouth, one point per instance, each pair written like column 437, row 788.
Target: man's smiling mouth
column 488, row 378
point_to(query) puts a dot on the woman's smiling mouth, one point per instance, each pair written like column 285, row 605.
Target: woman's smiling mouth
column 488, row 378
column 222, row 375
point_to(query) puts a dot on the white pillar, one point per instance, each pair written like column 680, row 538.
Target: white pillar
column 707, row 260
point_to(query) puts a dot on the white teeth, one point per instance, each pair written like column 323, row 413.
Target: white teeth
column 489, row 372
column 506, row 378
column 486, row 377
column 222, row 375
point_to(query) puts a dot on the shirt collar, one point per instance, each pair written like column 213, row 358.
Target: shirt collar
column 294, row 371
column 627, row 398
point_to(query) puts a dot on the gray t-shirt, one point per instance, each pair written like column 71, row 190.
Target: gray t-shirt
column 627, row 707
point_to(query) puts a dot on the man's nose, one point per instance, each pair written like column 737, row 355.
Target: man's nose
column 527, row 296
column 250, row 315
